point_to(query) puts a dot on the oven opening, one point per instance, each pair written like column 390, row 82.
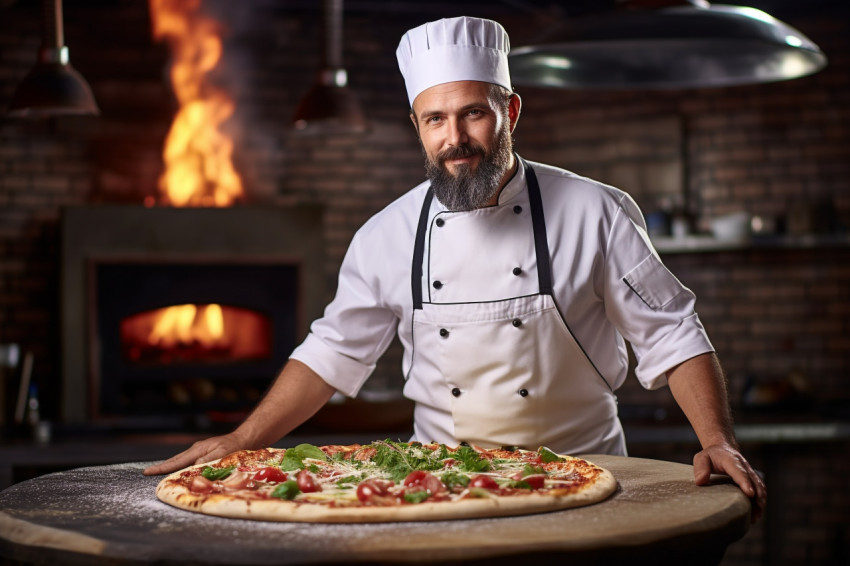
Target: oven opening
column 189, row 342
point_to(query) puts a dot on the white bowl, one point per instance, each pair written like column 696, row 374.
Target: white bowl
column 734, row 226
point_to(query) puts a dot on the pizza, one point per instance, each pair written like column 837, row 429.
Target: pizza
column 385, row 481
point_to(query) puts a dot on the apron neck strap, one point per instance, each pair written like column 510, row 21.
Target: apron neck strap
column 541, row 242
column 419, row 250
column 538, row 222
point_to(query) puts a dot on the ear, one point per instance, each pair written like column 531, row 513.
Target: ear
column 415, row 123
column 514, row 107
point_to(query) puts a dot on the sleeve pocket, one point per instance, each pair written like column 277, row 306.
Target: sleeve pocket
column 653, row 283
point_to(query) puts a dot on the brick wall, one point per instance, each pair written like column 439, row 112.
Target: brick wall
column 764, row 148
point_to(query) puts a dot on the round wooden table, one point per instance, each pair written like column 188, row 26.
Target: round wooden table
column 110, row 515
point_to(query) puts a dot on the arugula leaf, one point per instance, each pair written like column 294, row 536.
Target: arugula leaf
column 470, row 461
column 452, row 479
column 416, row 496
column 348, row 482
column 547, row 455
column 287, row 490
column 398, row 459
column 519, row 484
column 293, row 458
column 214, row 474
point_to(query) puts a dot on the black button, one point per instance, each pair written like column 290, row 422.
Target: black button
column 440, row 222
column 523, row 392
column 438, row 284
column 444, row 332
column 516, row 322
column 517, row 209
column 517, row 271
column 456, row 392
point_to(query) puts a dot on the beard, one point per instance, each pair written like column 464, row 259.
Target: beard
column 470, row 188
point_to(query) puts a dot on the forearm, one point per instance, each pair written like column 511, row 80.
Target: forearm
column 699, row 387
column 296, row 395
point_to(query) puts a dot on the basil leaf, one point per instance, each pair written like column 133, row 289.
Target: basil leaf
column 287, row 490
column 214, row 474
column 416, row 496
column 547, row 455
column 530, row 470
column 293, row 458
column 518, row 484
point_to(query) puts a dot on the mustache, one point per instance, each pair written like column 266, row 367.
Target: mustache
column 460, row 152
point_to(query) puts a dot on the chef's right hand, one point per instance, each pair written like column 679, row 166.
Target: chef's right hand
column 202, row 451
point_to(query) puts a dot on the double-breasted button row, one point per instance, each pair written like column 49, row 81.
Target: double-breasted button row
column 456, row 392
column 439, row 284
column 444, row 332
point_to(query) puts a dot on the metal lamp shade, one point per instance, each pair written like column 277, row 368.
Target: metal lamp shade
column 677, row 47
column 52, row 88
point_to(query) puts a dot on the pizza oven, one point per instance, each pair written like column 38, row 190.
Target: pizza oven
column 180, row 318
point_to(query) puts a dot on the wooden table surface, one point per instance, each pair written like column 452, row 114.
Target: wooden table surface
column 110, row 515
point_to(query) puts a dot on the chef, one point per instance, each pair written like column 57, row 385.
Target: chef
column 511, row 285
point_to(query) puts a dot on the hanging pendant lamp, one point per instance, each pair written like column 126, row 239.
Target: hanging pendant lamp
column 681, row 44
column 330, row 106
column 53, row 87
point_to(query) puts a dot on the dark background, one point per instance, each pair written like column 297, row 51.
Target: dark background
column 778, row 150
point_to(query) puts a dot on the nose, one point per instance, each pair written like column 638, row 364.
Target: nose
column 456, row 133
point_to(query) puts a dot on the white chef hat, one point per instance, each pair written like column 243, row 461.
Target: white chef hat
column 454, row 49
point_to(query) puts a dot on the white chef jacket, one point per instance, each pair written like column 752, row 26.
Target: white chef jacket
column 609, row 283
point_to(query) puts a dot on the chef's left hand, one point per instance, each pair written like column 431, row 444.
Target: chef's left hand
column 726, row 459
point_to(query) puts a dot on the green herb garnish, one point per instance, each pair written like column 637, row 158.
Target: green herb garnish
column 530, row 470
column 214, row 474
column 416, row 496
column 547, row 455
column 398, row 459
column 469, row 460
column 293, row 458
column 348, row 482
column 452, row 479
column 287, row 490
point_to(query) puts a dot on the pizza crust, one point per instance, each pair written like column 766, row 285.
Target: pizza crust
column 174, row 493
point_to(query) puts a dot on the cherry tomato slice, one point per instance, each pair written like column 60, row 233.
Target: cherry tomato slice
column 483, row 481
column 369, row 489
column 307, row 482
column 270, row 474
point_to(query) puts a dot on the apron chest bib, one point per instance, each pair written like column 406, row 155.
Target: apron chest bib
column 505, row 372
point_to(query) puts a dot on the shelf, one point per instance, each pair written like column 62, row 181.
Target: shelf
column 706, row 244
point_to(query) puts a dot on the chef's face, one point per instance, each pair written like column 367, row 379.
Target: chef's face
column 465, row 131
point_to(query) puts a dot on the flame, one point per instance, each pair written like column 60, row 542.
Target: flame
column 191, row 332
column 198, row 156
column 183, row 324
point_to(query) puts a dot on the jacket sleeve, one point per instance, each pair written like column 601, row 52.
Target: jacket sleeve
column 650, row 307
column 345, row 343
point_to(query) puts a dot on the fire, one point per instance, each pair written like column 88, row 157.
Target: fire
column 196, row 333
column 183, row 324
column 199, row 169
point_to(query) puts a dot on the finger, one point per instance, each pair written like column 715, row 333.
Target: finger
column 176, row 462
column 171, row 465
column 211, row 455
column 702, row 468
column 760, row 500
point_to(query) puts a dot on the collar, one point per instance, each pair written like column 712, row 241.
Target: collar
column 515, row 185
